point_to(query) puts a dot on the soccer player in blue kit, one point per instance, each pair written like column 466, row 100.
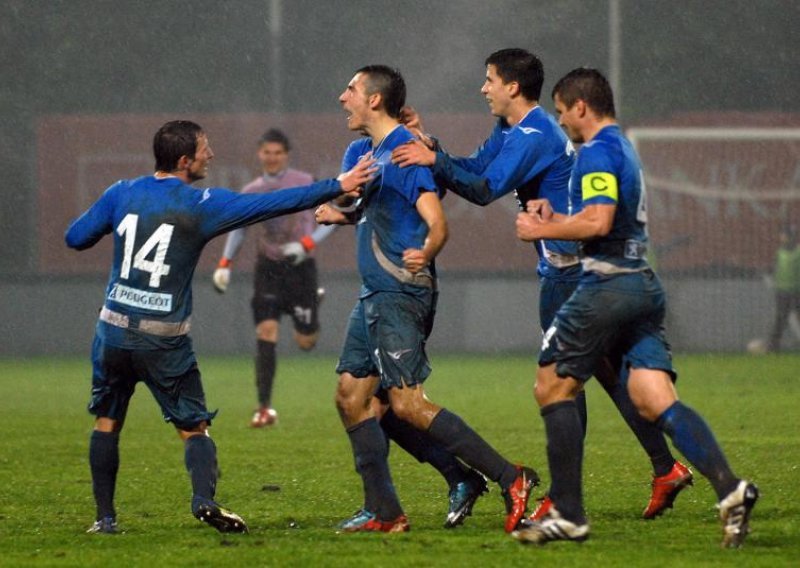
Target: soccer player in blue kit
column 400, row 228
column 160, row 225
column 619, row 306
column 529, row 153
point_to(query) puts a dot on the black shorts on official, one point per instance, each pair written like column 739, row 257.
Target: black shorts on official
column 116, row 371
column 386, row 337
column 283, row 288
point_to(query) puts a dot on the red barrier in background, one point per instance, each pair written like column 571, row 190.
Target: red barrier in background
column 79, row 156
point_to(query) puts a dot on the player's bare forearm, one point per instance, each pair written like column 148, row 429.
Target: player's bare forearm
column 437, row 237
column 414, row 260
column 594, row 221
column 430, row 209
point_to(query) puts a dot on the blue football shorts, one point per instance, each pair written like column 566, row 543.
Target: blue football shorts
column 621, row 315
column 386, row 337
column 116, row 371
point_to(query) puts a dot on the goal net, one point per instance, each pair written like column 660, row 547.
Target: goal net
column 719, row 197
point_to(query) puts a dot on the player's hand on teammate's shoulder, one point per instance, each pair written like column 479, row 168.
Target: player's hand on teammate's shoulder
column 410, row 118
column 353, row 181
column 414, row 260
column 413, row 153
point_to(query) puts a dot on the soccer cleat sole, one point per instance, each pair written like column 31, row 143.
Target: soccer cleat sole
column 532, row 536
column 221, row 519
column 542, row 532
column 736, row 518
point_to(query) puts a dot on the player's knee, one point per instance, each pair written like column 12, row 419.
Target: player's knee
column 104, row 424
column 349, row 401
column 550, row 388
column 267, row 330
column 199, row 430
column 306, row 342
column 404, row 410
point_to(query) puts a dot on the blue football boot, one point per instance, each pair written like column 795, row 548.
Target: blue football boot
column 462, row 498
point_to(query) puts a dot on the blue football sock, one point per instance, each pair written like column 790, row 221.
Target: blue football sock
column 371, row 452
column 200, row 457
column 422, row 447
column 455, row 436
column 562, row 425
column 692, row 436
column 104, row 464
column 650, row 436
column 265, row 371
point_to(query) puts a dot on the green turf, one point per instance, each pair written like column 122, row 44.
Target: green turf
column 46, row 503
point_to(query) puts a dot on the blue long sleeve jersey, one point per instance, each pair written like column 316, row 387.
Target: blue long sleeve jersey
column 160, row 227
column 533, row 157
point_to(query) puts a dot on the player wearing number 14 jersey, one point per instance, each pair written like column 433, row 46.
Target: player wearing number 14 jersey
column 160, row 225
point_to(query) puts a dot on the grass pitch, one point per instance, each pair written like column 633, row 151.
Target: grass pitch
column 45, row 489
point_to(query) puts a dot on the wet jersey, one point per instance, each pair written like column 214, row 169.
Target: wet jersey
column 608, row 172
column 389, row 222
column 160, row 227
column 533, row 157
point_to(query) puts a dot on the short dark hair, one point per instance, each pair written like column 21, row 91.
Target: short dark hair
column 588, row 85
column 173, row 140
column 275, row 135
column 389, row 83
column 519, row 66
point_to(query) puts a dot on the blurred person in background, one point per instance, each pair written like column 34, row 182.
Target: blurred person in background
column 786, row 282
column 285, row 279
